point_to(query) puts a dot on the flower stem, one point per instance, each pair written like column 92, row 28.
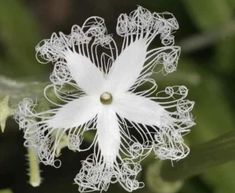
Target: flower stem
column 209, row 154
column 34, row 168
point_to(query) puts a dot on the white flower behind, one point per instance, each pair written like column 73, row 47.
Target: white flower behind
column 97, row 89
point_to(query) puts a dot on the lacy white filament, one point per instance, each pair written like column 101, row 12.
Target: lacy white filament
column 97, row 89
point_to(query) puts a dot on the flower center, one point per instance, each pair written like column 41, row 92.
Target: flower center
column 106, row 98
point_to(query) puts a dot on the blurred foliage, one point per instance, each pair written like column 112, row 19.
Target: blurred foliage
column 18, row 35
column 210, row 154
column 209, row 14
column 208, row 71
column 156, row 184
column 6, row 191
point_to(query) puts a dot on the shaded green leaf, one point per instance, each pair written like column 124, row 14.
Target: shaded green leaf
column 215, row 152
column 221, row 178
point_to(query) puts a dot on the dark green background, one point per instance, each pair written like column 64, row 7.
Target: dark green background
column 206, row 67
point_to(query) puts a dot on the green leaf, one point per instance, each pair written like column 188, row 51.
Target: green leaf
column 225, row 182
column 215, row 152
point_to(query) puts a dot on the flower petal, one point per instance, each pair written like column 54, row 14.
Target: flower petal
column 127, row 67
column 88, row 77
column 108, row 135
column 139, row 109
column 75, row 113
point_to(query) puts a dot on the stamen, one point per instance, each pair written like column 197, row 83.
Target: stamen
column 106, row 98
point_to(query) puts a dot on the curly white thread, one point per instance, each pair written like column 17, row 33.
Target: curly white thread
column 135, row 123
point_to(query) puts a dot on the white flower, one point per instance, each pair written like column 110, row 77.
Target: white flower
column 99, row 91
